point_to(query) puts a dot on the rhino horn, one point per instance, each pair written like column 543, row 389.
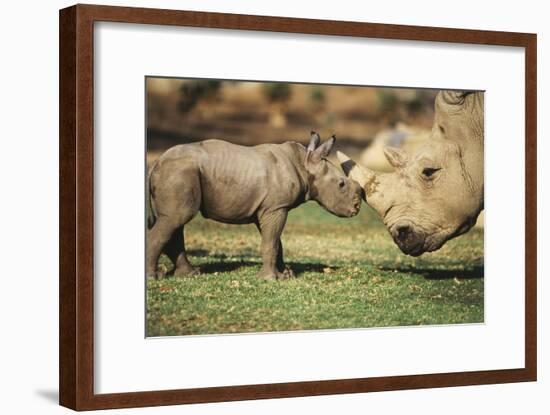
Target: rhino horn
column 354, row 171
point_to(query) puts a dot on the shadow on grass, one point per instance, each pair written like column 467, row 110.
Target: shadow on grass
column 475, row 272
column 300, row 268
column 297, row 267
column 220, row 264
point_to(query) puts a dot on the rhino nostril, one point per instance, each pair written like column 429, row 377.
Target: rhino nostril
column 408, row 238
column 403, row 232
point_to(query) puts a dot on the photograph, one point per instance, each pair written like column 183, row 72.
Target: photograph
column 281, row 206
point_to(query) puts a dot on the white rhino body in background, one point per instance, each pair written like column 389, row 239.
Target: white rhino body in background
column 401, row 136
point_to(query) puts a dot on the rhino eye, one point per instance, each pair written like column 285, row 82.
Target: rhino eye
column 341, row 184
column 429, row 172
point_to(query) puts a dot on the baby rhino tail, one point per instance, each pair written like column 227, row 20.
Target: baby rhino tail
column 151, row 213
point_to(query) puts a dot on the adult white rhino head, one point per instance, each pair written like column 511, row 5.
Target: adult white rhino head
column 436, row 193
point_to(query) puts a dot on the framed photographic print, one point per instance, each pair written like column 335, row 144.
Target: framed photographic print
column 256, row 207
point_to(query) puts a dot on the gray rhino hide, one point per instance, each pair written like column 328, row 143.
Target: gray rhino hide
column 237, row 184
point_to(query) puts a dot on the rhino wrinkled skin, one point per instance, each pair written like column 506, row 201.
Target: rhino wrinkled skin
column 236, row 184
column 435, row 194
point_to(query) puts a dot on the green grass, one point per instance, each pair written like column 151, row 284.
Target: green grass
column 349, row 275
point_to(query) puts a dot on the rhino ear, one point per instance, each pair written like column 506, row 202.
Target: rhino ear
column 324, row 149
column 313, row 141
column 453, row 97
column 396, row 157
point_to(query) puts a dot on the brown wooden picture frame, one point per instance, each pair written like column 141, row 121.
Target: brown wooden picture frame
column 76, row 155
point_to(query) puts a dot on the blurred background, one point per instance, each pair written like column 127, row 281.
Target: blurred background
column 364, row 119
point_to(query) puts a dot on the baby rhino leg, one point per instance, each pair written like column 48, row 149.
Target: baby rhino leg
column 271, row 226
column 175, row 249
column 177, row 198
column 157, row 237
column 281, row 266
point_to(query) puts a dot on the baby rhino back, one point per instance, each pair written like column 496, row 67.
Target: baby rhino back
column 238, row 182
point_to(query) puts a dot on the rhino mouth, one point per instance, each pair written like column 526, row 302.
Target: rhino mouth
column 420, row 244
column 425, row 243
column 356, row 206
column 413, row 251
column 347, row 211
column 409, row 238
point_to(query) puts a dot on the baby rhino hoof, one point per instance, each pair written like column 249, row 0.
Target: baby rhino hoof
column 276, row 275
column 157, row 275
column 186, row 272
column 288, row 273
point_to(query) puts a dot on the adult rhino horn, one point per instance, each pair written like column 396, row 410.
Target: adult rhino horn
column 354, row 171
column 453, row 97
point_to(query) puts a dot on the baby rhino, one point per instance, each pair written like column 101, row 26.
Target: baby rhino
column 236, row 184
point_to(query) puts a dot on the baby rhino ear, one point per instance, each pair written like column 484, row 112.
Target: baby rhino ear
column 313, row 141
column 324, row 149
